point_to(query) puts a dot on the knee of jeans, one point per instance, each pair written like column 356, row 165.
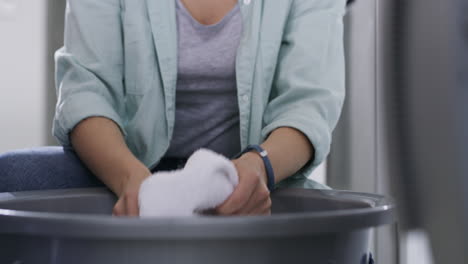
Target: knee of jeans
column 7, row 162
column 10, row 174
column 21, row 170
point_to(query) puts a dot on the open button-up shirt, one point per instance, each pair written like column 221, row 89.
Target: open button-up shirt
column 119, row 61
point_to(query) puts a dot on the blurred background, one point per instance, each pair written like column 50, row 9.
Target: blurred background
column 32, row 30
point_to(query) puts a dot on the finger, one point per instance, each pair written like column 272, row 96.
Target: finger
column 235, row 202
column 132, row 205
column 268, row 206
column 239, row 197
column 259, row 207
column 266, row 212
column 256, row 201
column 118, row 209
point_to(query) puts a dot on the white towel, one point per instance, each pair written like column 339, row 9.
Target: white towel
column 205, row 182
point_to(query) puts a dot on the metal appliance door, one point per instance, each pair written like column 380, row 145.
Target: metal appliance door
column 426, row 101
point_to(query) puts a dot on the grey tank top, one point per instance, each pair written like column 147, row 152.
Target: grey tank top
column 207, row 111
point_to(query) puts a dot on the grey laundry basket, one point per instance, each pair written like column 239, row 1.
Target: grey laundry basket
column 76, row 226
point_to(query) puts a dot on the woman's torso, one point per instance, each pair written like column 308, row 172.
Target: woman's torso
column 207, row 113
column 120, row 61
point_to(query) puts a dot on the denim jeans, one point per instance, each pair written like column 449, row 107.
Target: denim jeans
column 59, row 168
column 44, row 168
column 54, row 168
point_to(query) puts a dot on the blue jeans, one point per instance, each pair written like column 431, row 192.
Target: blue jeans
column 44, row 168
column 59, row 168
column 54, row 168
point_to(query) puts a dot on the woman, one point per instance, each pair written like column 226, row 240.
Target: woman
column 143, row 84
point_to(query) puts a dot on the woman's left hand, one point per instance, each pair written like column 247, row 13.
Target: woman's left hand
column 251, row 196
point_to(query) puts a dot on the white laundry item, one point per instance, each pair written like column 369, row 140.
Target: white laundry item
column 205, row 182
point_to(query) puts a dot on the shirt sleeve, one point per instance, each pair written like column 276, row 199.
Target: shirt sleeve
column 89, row 68
column 309, row 84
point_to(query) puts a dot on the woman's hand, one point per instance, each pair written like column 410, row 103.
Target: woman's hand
column 251, row 196
column 100, row 144
column 127, row 205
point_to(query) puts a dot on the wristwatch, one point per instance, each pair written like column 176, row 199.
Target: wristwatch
column 266, row 161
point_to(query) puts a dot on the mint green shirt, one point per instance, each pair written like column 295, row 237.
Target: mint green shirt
column 120, row 61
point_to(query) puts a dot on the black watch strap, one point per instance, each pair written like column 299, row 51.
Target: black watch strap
column 266, row 161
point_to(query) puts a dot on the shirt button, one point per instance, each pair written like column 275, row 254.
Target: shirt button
column 247, row 2
column 245, row 98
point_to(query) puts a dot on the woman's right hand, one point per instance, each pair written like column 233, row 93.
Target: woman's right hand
column 127, row 204
column 100, row 144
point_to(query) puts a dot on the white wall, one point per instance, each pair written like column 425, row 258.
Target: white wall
column 22, row 73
